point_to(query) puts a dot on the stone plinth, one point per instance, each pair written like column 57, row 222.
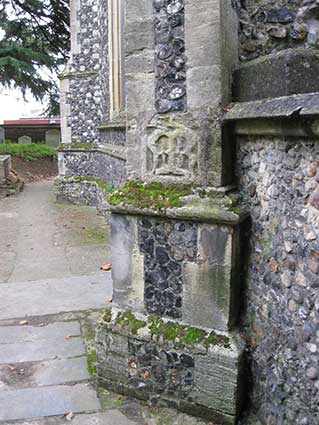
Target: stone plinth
column 5, row 167
column 176, row 297
column 168, row 364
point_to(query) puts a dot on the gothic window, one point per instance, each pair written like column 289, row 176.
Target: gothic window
column 116, row 21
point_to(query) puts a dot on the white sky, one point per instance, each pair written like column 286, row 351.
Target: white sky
column 13, row 106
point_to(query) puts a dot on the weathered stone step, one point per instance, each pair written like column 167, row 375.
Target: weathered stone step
column 26, row 333
column 36, row 374
column 54, row 296
column 111, row 417
column 38, row 350
column 47, row 401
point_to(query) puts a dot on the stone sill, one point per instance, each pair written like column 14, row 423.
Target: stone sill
column 200, row 211
column 83, row 74
column 116, row 126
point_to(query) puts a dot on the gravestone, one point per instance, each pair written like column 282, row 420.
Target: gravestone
column 24, row 140
column 170, row 337
column 5, row 168
column 2, row 135
column 52, row 138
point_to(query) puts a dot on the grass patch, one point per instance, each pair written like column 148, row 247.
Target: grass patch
column 97, row 234
column 28, row 152
column 150, row 195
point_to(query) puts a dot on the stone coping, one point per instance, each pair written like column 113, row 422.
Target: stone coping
column 202, row 210
column 107, row 148
column 300, row 105
column 279, row 127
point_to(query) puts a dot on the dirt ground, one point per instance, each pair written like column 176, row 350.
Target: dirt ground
column 39, row 169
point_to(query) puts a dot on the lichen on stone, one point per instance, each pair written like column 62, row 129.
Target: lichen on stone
column 150, row 195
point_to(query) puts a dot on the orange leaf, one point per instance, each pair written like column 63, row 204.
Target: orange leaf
column 106, row 267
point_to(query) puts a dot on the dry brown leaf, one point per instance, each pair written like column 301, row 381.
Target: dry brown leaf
column 106, row 267
column 273, row 265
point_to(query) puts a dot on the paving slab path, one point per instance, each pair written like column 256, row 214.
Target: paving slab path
column 52, row 294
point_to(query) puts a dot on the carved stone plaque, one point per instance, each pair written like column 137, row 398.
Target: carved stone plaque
column 172, row 152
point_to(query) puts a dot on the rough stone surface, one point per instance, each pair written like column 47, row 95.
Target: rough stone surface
column 160, row 264
column 286, row 73
column 194, row 380
column 95, row 164
column 277, row 178
column 170, row 91
column 69, row 189
column 270, row 25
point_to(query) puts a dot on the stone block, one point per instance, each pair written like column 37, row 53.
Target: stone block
column 211, row 279
column 139, row 35
column 140, row 90
column 5, row 167
column 127, row 263
column 211, row 51
column 293, row 71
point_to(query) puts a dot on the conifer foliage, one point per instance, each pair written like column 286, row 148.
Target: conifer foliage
column 34, row 43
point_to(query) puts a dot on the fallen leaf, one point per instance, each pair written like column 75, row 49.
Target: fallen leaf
column 106, row 267
column 23, row 322
column 273, row 265
column 69, row 416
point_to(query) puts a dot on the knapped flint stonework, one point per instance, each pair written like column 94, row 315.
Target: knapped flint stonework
column 165, row 245
column 277, row 179
column 85, row 102
column 267, row 26
column 170, row 91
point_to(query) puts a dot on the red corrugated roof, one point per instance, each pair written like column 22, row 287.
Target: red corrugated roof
column 32, row 122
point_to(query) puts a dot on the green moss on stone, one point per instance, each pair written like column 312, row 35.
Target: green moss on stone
column 89, row 179
column 91, row 359
column 77, row 146
column 180, row 335
column 129, row 321
column 109, row 400
column 150, row 195
column 107, row 316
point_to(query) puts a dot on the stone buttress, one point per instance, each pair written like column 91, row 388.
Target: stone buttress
column 176, row 229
